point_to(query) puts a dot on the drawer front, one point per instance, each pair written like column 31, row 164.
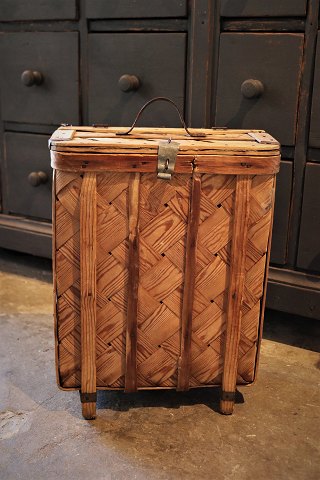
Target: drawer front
column 309, row 243
column 149, row 65
column 27, row 194
column 13, row 10
column 281, row 214
column 40, row 77
column 259, row 8
column 258, row 82
column 136, row 9
column 315, row 110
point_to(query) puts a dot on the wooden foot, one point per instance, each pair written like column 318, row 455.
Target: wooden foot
column 227, row 402
column 89, row 410
column 226, row 407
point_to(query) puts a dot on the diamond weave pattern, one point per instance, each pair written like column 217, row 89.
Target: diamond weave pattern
column 163, row 216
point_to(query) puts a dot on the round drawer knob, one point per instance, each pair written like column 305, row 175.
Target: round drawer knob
column 31, row 77
column 37, row 178
column 252, row 88
column 128, row 83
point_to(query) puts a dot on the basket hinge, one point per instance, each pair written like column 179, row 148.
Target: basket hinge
column 262, row 137
column 167, row 155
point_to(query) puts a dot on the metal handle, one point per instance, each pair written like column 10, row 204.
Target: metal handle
column 252, row 88
column 128, row 83
column 31, row 77
column 37, row 178
column 163, row 99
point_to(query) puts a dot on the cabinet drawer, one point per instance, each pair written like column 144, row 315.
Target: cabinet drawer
column 26, row 154
column 309, row 244
column 315, row 110
column 281, row 214
column 136, row 9
column 260, row 8
column 15, row 10
column 149, row 65
column 258, row 82
column 40, row 77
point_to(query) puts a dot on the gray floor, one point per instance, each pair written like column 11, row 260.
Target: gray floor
column 273, row 434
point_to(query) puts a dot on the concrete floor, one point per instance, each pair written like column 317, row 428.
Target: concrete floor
column 273, row 434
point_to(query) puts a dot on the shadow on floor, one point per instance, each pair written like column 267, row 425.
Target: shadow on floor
column 26, row 265
column 292, row 330
column 120, row 401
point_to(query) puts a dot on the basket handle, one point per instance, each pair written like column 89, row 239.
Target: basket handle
column 163, row 99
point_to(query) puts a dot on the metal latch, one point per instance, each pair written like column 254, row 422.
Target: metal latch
column 263, row 137
column 167, row 155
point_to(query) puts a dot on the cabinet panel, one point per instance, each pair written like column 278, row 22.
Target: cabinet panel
column 315, row 110
column 40, row 77
column 149, row 65
column 136, row 9
column 259, row 8
column 25, row 195
column 309, row 242
column 13, row 10
column 281, row 214
column 258, row 82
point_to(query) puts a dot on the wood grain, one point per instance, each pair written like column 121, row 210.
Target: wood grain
column 235, row 293
column 184, row 361
column 88, row 222
column 133, row 283
column 237, row 164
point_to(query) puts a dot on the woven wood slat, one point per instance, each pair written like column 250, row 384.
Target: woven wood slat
column 163, row 214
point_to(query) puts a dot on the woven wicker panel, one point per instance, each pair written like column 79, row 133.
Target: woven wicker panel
column 163, row 211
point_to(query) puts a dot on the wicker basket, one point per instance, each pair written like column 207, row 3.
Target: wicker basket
column 160, row 283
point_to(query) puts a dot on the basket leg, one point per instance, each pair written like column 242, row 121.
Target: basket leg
column 236, row 288
column 89, row 403
column 89, row 410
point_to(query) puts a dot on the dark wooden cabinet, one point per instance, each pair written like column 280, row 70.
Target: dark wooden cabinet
column 27, row 176
column 40, row 77
column 157, row 63
column 235, row 63
column 258, row 82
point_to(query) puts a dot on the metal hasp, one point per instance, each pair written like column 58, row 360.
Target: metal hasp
column 167, row 155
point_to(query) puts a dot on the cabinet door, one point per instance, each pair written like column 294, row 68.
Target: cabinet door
column 260, row 8
column 281, row 214
column 149, row 65
column 27, row 186
column 15, row 10
column 135, row 9
column 258, row 82
column 315, row 110
column 39, row 77
column 309, row 242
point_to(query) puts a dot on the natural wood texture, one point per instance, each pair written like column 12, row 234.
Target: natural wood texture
column 88, row 226
column 217, row 164
column 184, row 362
column 164, row 271
column 133, row 283
column 235, row 293
column 163, row 210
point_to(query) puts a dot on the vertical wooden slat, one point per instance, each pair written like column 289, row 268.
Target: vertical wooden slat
column 235, row 293
column 88, row 225
column 184, row 363
column 265, row 282
column 133, row 281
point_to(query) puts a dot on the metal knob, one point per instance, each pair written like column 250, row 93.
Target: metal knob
column 128, row 83
column 252, row 88
column 31, row 77
column 37, row 178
